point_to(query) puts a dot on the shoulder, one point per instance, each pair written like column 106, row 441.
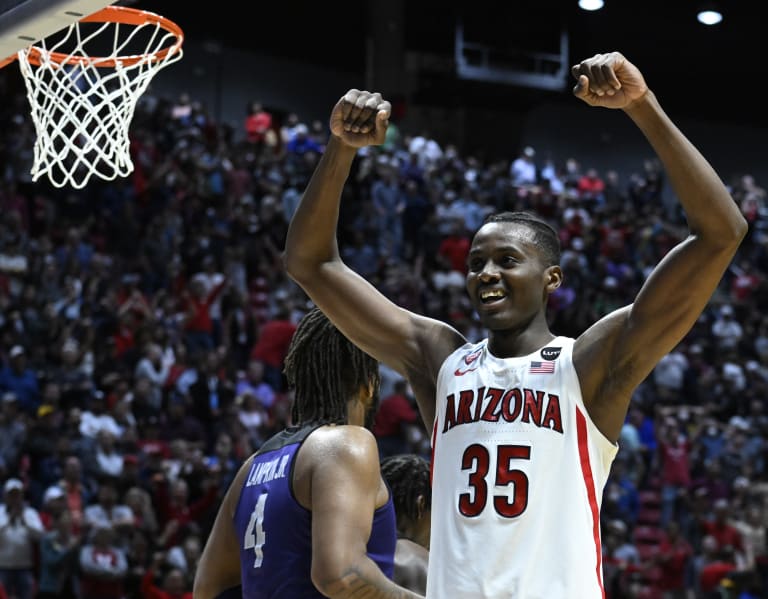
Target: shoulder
column 343, row 440
column 343, row 446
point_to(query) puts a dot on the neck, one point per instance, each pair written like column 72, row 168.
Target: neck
column 521, row 341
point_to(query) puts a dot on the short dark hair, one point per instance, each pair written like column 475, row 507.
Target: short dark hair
column 325, row 370
column 545, row 236
column 408, row 475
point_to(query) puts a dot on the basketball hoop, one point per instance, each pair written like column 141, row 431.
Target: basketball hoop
column 83, row 84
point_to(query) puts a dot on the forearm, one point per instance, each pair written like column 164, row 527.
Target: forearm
column 311, row 238
column 363, row 580
column 710, row 210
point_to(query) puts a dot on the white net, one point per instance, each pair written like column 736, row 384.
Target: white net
column 82, row 87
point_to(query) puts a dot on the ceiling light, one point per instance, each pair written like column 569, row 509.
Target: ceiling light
column 709, row 16
column 591, row 4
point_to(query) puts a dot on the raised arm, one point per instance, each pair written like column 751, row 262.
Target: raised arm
column 414, row 346
column 345, row 486
column 619, row 351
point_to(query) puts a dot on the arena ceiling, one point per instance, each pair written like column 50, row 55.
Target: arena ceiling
column 714, row 73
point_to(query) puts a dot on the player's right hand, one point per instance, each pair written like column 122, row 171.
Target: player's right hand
column 360, row 118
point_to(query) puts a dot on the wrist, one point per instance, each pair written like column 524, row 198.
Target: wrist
column 642, row 105
column 337, row 147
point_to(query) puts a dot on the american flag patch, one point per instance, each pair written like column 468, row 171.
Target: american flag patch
column 542, row 367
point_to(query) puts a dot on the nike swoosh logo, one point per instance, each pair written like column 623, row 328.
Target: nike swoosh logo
column 460, row 372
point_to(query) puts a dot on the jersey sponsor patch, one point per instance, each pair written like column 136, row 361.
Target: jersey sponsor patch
column 542, row 368
column 551, row 353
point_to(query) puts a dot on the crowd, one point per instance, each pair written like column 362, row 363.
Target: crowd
column 145, row 322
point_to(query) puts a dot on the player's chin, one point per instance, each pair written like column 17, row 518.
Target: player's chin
column 494, row 320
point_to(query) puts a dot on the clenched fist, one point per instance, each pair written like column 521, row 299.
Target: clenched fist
column 360, row 118
column 608, row 80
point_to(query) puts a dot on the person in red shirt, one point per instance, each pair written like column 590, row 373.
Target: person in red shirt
column 725, row 534
column 673, row 556
column 455, row 248
column 198, row 326
column 271, row 346
column 173, row 583
column 393, row 419
column 175, row 510
column 258, row 124
column 715, row 566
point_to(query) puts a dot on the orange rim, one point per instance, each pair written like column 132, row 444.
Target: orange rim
column 116, row 14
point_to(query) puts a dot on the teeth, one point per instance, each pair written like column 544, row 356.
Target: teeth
column 491, row 293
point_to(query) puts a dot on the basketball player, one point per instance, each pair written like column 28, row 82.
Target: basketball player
column 524, row 423
column 408, row 478
column 309, row 514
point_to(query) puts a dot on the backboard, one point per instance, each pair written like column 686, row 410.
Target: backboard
column 24, row 22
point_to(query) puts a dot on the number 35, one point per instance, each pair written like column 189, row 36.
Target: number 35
column 477, row 459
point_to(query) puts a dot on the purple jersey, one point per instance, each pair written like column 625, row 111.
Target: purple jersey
column 276, row 531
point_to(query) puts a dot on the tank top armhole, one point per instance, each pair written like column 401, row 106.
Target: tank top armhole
column 604, row 444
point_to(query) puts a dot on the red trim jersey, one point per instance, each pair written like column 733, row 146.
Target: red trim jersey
column 518, row 471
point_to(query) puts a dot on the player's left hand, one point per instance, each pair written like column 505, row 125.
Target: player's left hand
column 608, row 80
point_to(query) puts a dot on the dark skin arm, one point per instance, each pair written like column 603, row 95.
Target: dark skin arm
column 219, row 567
column 344, row 490
column 414, row 346
column 617, row 353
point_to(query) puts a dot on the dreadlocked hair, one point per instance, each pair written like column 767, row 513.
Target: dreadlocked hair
column 544, row 235
column 408, row 477
column 325, row 370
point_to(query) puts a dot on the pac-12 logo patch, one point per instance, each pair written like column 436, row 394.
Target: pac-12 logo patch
column 469, row 359
column 551, row 353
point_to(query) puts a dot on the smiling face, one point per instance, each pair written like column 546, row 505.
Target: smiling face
column 508, row 279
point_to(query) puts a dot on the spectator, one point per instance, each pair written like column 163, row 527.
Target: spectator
column 106, row 512
column 59, row 550
column 155, row 367
column 258, row 126
column 103, row 566
column 272, row 345
column 198, row 325
column 13, row 432
column 174, row 584
column 252, row 383
column 727, row 330
column 395, row 422
column 54, row 504
column 523, row 168
column 673, row 557
column 16, row 377
column 20, row 532
column 185, row 556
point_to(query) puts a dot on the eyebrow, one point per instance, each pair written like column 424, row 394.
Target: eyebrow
column 505, row 249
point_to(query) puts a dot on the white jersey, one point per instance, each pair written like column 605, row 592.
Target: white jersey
column 518, row 476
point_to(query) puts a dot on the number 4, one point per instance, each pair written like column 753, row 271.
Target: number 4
column 256, row 524
column 471, row 504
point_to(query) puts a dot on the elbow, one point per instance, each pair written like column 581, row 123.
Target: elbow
column 735, row 232
column 333, row 582
column 292, row 264
column 741, row 228
column 302, row 269
column 295, row 264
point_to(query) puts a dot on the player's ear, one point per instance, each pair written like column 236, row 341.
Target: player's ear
column 421, row 503
column 553, row 278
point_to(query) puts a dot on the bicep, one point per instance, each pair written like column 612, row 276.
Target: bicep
column 673, row 297
column 619, row 351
